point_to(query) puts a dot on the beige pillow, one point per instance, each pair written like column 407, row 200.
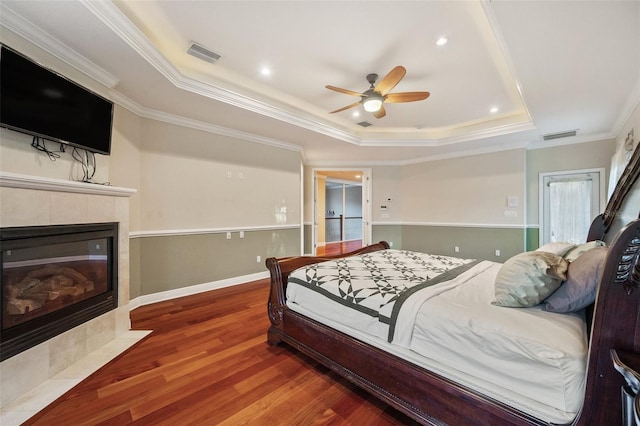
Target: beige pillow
column 528, row 278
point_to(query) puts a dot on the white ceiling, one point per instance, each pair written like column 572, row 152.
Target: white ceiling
column 548, row 66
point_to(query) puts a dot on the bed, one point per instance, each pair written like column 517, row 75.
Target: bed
column 440, row 340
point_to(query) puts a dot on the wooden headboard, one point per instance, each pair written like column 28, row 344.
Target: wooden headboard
column 623, row 206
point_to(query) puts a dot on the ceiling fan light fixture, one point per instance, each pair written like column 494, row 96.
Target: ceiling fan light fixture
column 373, row 103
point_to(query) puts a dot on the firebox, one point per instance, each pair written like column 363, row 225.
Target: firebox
column 54, row 278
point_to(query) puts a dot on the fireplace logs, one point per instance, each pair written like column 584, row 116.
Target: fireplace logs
column 46, row 283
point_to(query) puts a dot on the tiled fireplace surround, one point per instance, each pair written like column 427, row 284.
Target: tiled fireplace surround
column 57, row 363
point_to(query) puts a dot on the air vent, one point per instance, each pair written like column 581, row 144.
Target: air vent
column 364, row 124
column 203, row 53
column 550, row 136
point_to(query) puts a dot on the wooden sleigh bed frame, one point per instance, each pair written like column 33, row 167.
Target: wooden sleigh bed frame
column 432, row 399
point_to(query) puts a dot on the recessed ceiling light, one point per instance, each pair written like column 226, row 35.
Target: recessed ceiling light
column 493, row 110
column 441, row 41
column 265, row 71
column 356, row 113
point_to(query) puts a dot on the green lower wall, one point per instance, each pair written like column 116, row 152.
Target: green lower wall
column 474, row 242
column 389, row 233
column 171, row 262
column 307, row 239
column 134, row 268
column 165, row 263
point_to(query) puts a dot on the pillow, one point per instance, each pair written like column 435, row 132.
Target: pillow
column 579, row 291
column 528, row 278
column 557, row 248
column 580, row 249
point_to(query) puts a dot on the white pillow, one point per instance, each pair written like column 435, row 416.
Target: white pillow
column 526, row 279
column 557, row 248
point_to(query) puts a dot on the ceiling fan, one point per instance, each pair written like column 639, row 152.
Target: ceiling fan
column 373, row 98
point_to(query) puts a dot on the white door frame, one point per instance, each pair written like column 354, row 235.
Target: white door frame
column 541, row 193
column 366, row 202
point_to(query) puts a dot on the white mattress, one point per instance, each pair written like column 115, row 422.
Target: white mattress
column 532, row 360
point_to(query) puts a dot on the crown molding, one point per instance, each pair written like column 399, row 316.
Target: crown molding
column 151, row 114
column 118, row 22
column 467, row 137
column 633, row 102
column 25, row 29
column 487, row 7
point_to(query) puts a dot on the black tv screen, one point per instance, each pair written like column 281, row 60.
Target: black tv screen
column 42, row 103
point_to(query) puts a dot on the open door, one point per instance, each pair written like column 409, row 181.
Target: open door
column 341, row 206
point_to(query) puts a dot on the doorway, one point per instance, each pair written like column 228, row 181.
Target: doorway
column 341, row 210
column 568, row 203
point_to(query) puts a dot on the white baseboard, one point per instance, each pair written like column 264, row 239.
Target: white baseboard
column 147, row 299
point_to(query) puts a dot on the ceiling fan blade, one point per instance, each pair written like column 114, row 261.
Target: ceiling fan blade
column 380, row 113
column 390, row 80
column 406, row 97
column 347, row 107
column 345, row 91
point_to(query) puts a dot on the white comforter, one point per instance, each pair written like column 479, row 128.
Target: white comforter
column 530, row 359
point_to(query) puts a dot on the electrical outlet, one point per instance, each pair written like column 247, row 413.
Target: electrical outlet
column 228, row 235
column 241, row 234
column 456, row 249
column 390, row 243
column 258, row 259
column 497, row 252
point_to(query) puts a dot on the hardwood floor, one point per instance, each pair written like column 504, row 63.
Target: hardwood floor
column 207, row 362
column 338, row 248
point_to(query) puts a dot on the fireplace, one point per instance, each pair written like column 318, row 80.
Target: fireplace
column 54, row 278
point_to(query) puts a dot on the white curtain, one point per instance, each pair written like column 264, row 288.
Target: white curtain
column 570, row 210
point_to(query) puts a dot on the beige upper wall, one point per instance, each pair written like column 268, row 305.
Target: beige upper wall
column 387, row 183
column 125, row 159
column 563, row 158
column 198, row 180
column 466, row 190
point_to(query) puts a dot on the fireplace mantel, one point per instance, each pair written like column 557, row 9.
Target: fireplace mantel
column 26, row 201
column 14, row 180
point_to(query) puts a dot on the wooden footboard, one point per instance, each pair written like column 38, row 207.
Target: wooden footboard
column 280, row 270
column 434, row 400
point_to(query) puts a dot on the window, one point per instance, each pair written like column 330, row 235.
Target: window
column 569, row 202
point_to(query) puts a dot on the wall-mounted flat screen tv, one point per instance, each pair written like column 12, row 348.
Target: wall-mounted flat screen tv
column 40, row 102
